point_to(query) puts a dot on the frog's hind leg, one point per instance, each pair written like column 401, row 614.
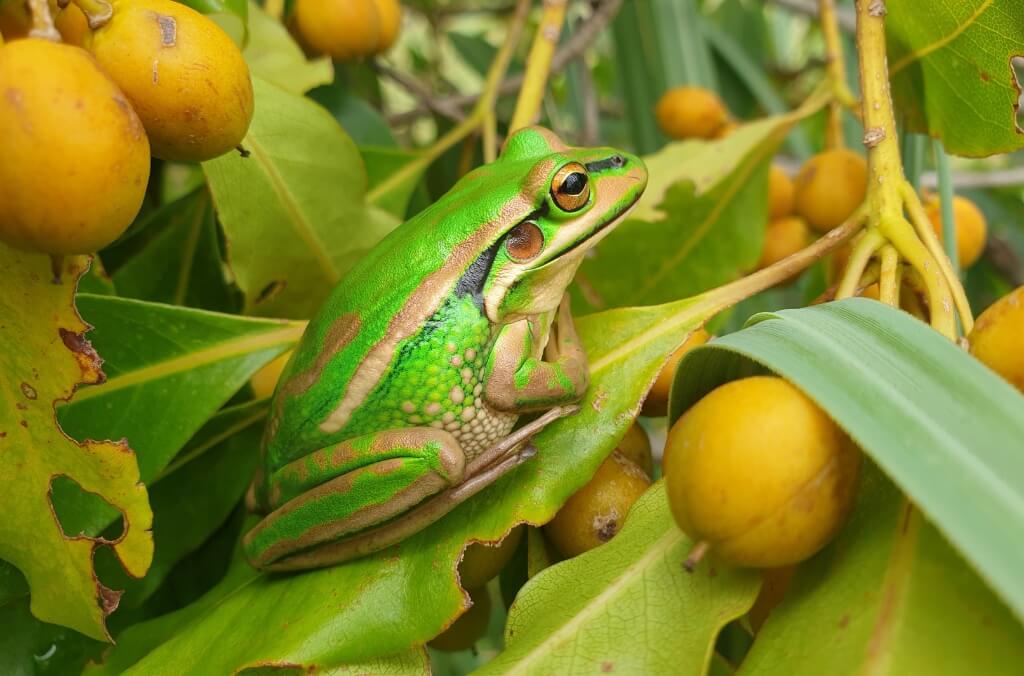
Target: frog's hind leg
column 487, row 468
column 349, row 487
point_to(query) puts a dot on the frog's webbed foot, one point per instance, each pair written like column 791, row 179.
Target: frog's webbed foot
column 484, row 470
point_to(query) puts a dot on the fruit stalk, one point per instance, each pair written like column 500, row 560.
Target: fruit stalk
column 484, row 106
column 887, row 186
column 42, row 21
column 836, row 72
column 539, row 64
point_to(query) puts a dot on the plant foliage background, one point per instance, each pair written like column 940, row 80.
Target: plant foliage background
column 227, row 259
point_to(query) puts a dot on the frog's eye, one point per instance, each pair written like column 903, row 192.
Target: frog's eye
column 571, row 189
column 524, row 241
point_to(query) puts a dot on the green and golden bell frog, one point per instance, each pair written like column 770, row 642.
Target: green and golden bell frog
column 402, row 397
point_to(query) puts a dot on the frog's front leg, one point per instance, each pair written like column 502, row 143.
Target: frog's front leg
column 348, row 487
column 517, row 381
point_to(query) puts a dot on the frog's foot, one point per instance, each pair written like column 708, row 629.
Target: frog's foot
column 349, row 487
column 485, row 469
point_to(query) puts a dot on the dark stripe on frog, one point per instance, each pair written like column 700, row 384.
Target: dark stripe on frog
column 473, row 280
column 613, row 162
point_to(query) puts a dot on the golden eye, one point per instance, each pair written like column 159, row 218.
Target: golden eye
column 571, row 188
column 524, row 241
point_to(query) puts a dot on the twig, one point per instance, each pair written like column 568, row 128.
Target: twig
column 999, row 178
column 421, row 93
column 538, row 64
column 845, row 17
column 569, row 50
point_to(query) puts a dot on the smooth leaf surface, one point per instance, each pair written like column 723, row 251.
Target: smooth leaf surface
column 699, row 224
column 626, row 607
column 888, row 597
column 950, row 68
column 273, row 55
column 180, row 261
column 44, row 356
column 403, row 596
column 946, row 429
column 294, row 210
column 169, row 369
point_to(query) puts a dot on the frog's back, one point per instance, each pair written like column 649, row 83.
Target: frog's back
column 387, row 298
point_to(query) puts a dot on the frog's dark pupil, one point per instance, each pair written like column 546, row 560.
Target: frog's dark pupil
column 574, row 184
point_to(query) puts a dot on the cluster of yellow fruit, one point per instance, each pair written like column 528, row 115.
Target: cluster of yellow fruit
column 346, row 29
column 81, row 118
column 997, row 339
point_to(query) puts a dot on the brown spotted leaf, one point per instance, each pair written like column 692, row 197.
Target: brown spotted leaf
column 44, row 356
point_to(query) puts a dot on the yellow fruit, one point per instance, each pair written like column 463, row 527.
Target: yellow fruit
column 830, row 187
column 15, row 20
column 264, row 381
column 389, row 13
column 469, row 627
column 690, row 112
column 784, row 237
column 637, row 448
column 780, row 194
column 656, row 403
column 760, row 473
column 997, row 338
column 184, row 76
column 342, row 29
column 595, row 513
column 872, row 291
column 72, row 25
column 971, row 228
column 74, row 160
column 482, row 562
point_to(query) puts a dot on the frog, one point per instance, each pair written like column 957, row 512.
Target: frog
column 430, row 367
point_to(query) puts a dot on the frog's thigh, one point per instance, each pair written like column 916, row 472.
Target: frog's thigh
column 352, row 486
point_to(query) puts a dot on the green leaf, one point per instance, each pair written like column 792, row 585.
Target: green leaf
column 294, row 210
column 44, row 356
column 951, row 73
column 700, row 223
column 180, row 261
column 380, row 163
column 231, row 15
column 192, row 501
column 28, row 646
column 889, row 596
column 640, row 72
column 169, row 369
column 626, row 607
column 334, row 615
column 947, row 430
column 274, row 56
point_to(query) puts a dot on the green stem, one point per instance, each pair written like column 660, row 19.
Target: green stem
column 946, row 203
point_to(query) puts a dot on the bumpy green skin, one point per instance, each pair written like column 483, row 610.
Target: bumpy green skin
column 427, row 352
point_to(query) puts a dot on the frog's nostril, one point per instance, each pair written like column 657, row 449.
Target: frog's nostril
column 618, row 161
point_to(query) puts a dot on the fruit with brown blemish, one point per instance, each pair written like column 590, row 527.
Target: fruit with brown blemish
column 997, row 339
column 596, row 512
column 783, row 238
column 469, row 627
column 690, row 112
column 829, row 188
column 636, row 446
column 184, row 76
column 481, row 562
column 74, row 159
column 969, row 224
column 758, row 473
column 346, row 30
column 656, row 403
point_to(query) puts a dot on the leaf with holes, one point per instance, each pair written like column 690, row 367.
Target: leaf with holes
column 699, row 224
column 951, row 73
column 44, row 356
column 293, row 208
column 626, row 607
column 333, row 615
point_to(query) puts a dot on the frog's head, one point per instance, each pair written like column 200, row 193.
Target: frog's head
column 577, row 195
